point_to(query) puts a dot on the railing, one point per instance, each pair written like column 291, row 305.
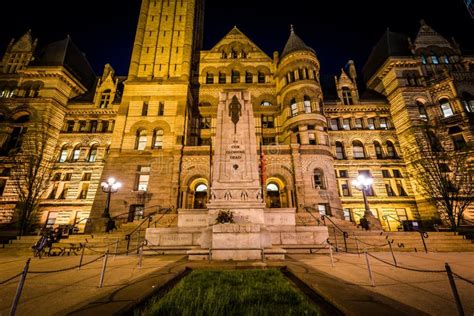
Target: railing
column 345, row 234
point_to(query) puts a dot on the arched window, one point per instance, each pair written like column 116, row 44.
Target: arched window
column 92, row 154
column 200, row 196
column 266, row 103
column 378, row 150
column 347, row 96
column 422, row 110
column 261, row 77
column 358, row 150
column 76, row 153
column 222, row 78
column 294, row 107
column 105, row 99
column 391, row 152
column 273, row 195
column 434, row 59
column 248, row 77
column 446, row 108
column 307, row 104
column 468, row 102
column 158, row 139
column 423, row 60
column 209, row 78
column 235, row 76
column 318, row 176
column 22, row 118
column 141, row 140
column 340, row 152
column 63, row 154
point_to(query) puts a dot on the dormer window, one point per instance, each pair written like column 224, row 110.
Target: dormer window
column 434, row 59
column 423, row 60
column 347, row 96
column 105, row 99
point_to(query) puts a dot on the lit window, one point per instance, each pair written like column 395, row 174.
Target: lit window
column 143, row 180
column 334, row 124
column 358, row 149
column 422, row 111
column 323, row 209
column 345, row 188
column 312, row 138
column 318, row 177
column 340, row 154
column 346, row 124
column 383, row 123
column 141, row 140
column 370, row 123
column 402, row 214
column 307, row 104
column 378, row 150
column 446, row 107
column 434, row 59
column 423, row 60
column 158, row 139
column 391, row 152
column 266, row 103
column 63, row 155
column 358, row 123
column 76, row 154
column 92, row 154
column 294, row 107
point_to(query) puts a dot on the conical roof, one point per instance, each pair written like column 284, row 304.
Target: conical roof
column 294, row 44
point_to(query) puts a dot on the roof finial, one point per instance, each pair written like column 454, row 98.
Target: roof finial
column 292, row 28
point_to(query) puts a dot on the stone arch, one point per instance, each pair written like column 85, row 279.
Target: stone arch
column 194, row 197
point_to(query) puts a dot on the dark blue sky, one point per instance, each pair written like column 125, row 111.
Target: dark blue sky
column 337, row 30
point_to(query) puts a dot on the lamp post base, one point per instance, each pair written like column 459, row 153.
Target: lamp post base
column 100, row 225
column 371, row 222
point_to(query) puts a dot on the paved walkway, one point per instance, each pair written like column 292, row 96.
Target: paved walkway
column 53, row 293
column 427, row 292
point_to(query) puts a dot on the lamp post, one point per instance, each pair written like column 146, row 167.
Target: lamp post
column 363, row 184
column 109, row 187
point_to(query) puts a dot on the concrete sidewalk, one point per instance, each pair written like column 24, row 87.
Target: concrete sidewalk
column 53, row 293
column 427, row 292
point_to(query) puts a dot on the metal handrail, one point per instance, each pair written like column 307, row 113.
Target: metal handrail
column 310, row 213
column 386, row 217
column 167, row 210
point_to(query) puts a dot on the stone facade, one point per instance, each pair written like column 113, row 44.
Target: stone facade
column 153, row 130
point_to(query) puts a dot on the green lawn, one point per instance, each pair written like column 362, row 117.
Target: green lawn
column 236, row 292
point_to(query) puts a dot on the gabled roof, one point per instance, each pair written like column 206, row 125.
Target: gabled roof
column 235, row 35
column 294, row 44
column 65, row 53
column 391, row 44
column 428, row 37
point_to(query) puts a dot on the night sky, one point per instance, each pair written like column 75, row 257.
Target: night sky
column 337, row 30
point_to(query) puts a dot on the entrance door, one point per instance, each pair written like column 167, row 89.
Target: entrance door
column 273, row 196
column 200, row 197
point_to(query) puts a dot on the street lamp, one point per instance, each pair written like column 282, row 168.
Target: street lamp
column 109, row 187
column 363, row 184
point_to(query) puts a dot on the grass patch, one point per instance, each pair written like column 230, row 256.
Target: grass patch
column 236, row 292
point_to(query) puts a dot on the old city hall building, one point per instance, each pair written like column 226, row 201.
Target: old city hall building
column 153, row 130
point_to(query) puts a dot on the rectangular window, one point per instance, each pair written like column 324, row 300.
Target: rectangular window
column 334, row 124
column 161, row 109
column 222, row 78
column 345, row 188
column 67, row 177
column 294, row 109
column 86, row 176
column 397, row 173
column 401, row 190
column 312, row 138
column 383, row 123
column 206, row 122
column 143, row 182
column 370, row 124
column 323, row 209
column 82, row 126
column 402, row 214
column 136, row 212
column 105, row 126
column 346, row 124
column 267, row 141
column 64, row 192
column 93, row 126
column 386, row 173
column 3, row 184
column 56, row 177
column 343, row 174
column 358, row 124
column 347, row 214
column 63, row 156
column 145, row 109
column 84, row 191
column 70, row 126
column 51, row 219
column 76, row 154
column 459, row 141
column 389, row 189
column 268, row 121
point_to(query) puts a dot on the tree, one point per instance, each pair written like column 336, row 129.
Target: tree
column 445, row 173
column 32, row 166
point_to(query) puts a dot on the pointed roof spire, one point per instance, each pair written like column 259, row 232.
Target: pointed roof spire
column 295, row 43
